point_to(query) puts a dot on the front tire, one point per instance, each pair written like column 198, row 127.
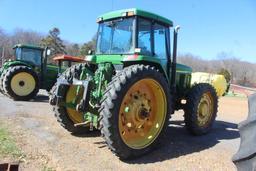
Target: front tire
column 201, row 109
column 135, row 111
column 66, row 116
column 21, row 83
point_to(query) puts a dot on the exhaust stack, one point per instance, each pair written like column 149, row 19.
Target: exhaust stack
column 174, row 57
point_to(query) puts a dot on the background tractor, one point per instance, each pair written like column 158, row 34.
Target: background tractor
column 22, row 77
column 129, row 87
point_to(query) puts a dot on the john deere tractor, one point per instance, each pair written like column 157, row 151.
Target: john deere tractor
column 22, row 77
column 131, row 85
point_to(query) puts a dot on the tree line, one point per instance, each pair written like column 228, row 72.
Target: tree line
column 52, row 39
column 235, row 70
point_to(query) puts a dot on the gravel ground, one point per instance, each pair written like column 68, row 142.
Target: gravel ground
column 47, row 145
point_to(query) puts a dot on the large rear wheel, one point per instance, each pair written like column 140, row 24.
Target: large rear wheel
column 135, row 111
column 21, row 83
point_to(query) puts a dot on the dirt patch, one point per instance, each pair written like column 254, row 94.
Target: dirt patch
column 47, row 145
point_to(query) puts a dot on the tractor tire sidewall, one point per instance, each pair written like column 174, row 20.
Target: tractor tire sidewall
column 191, row 108
column 109, row 111
column 8, row 78
column 2, row 81
column 60, row 111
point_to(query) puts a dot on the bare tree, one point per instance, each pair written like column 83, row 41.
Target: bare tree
column 243, row 73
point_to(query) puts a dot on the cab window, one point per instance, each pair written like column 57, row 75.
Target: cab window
column 29, row 55
column 160, row 41
column 144, row 36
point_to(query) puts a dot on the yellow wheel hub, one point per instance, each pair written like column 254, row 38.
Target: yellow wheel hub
column 74, row 115
column 142, row 113
column 23, row 83
column 205, row 110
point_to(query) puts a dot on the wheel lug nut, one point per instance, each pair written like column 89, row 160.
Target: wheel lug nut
column 126, row 109
column 129, row 125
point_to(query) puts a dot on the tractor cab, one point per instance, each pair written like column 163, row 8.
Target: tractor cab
column 29, row 53
column 136, row 36
column 133, row 31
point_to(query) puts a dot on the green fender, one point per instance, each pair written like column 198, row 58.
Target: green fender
column 15, row 63
column 11, row 63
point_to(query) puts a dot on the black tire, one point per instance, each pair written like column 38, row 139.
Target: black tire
column 245, row 158
column 191, row 109
column 9, row 76
column 60, row 111
column 111, row 103
column 2, row 81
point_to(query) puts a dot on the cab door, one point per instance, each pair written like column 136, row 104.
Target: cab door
column 161, row 46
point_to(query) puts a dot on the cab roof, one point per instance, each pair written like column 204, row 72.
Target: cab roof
column 28, row 46
column 134, row 11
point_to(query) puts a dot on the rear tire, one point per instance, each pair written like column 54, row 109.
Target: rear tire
column 201, row 109
column 21, row 83
column 149, row 93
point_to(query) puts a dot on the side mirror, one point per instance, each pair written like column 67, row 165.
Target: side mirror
column 90, row 52
column 48, row 52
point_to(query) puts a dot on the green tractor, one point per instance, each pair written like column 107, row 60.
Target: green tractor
column 22, row 77
column 130, row 86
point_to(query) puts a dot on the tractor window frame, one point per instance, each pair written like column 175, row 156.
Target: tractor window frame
column 133, row 42
column 152, row 39
column 166, row 39
column 151, row 34
column 35, row 62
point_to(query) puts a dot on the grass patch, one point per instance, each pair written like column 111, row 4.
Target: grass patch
column 47, row 169
column 8, row 146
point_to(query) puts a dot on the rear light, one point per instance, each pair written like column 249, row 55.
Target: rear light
column 131, row 57
column 128, row 14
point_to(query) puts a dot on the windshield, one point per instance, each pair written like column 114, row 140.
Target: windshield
column 29, row 55
column 116, row 37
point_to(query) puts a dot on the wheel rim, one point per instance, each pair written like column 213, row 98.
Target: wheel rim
column 142, row 113
column 23, row 83
column 205, row 109
column 71, row 97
